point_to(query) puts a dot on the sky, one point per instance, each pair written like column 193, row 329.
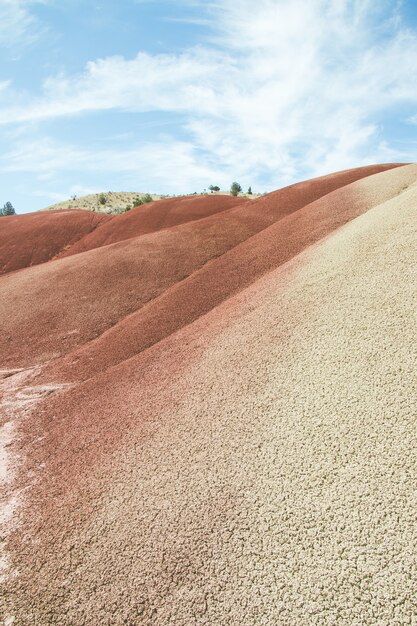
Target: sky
column 172, row 96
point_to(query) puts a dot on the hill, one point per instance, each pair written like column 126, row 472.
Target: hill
column 58, row 306
column 119, row 201
column 111, row 201
column 213, row 421
column 34, row 238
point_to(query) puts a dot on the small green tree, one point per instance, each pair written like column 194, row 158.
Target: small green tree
column 138, row 201
column 214, row 188
column 250, row 191
column 235, row 189
column 102, row 198
column 8, row 209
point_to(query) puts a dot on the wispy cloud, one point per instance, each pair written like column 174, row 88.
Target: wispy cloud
column 153, row 166
column 145, row 83
column 281, row 90
column 196, row 21
column 18, row 25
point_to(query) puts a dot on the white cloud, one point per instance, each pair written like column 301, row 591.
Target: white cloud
column 18, row 26
column 145, row 83
column 196, row 21
column 156, row 166
column 282, row 89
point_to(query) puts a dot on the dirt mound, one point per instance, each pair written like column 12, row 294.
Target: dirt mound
column 155, row 216
column 263, row 211
column 52, row 308
column 34, row 238
column 257, row 466
column 101, row 202
column 226, row 275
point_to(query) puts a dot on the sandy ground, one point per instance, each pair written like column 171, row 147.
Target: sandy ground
column 257, row 466
column 90, row 202
column 119, row 200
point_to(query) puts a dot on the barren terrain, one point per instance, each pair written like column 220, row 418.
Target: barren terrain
column 115, row 201
column 208, row 409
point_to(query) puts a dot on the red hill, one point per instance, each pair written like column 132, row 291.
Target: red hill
column 35, row 238
column 214, row 422
column 60, row 305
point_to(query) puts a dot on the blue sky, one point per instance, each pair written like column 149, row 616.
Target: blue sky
column 172, row 96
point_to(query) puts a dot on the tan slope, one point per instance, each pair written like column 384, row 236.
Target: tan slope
column 256, row 467
column 239, row 267
column 114, row 200
column 49, row 309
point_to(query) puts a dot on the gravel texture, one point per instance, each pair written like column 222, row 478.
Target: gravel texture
column 49, row 309
column 239, row 267
column 257, row 466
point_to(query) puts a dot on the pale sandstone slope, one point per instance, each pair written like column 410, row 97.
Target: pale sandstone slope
column 265, row 471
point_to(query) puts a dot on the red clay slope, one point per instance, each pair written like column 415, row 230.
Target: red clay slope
column 155, row 216
column 49, row 309
column 226, row 275
column 34, row 238
column 256, row 467
column 171, row 212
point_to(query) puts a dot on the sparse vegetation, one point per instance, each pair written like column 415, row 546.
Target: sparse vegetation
column 112, row 202
column 8, row 209
column 235, row 188
column 139, row 200
column 117, row 210
column 250, row 191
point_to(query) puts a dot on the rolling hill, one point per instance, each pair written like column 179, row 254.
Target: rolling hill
column 208, row 408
